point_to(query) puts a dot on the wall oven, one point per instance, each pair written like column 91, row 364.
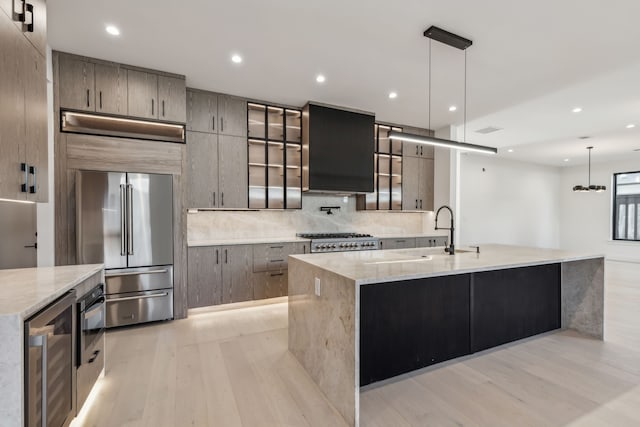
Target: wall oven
column 49, row 381
column 91, row 328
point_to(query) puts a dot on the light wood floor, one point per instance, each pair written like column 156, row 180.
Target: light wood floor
column 232, row 368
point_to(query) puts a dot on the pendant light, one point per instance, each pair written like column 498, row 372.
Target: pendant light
column 458, row 42
column 589, row 187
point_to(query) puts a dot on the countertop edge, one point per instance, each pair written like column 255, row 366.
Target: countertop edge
column 360, row 282
column 32, row 309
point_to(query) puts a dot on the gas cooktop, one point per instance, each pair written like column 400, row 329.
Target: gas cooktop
column 332, row 235
column 338, row 242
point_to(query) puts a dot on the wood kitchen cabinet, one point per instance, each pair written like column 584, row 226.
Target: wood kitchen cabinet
column 515, row 303
column 77, row 84
column 411, row 324
column 172, row 99
column 417, row 183
column 111, row 89
column 23, row 115
column 142, row 94
column 431, row 241
column 215, row 113
column 217, row 171
column 219, row 275
column 202, row 111
column 398, row 243
column 36, row 33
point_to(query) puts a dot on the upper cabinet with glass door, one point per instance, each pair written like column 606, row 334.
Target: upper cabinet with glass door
column 387, row 194
column 274, row 157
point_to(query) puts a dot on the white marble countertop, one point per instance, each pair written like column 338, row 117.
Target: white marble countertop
column 246, row 241
column 365, row 267
column 24, row 291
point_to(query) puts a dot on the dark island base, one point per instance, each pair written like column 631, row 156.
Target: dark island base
column 412, row 324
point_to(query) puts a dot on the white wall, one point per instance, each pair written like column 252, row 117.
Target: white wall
column 510, row 202
column 45, row 213
column 586, row 218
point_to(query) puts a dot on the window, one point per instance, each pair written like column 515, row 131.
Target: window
column 626, row 206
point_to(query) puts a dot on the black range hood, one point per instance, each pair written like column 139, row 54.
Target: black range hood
column 337, row 149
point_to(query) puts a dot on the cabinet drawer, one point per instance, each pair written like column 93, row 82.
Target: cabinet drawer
column 271, row 257
column 270, row 284
column 139, row 279
column 431, row 241
column 405, row 242
column 138, row 307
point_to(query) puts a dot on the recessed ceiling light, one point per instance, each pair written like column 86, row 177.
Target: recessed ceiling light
column 565, row 160
column 453, row 108
column 630, row 126
column 320, row 78
column 236, row 59
column 576, row 110
column 113, row 30
column 510, row 150
column 393, row 95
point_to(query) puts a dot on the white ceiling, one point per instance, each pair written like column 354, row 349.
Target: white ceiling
column 530, row 64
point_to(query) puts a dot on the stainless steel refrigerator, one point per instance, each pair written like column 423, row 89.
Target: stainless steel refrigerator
column 125, row 220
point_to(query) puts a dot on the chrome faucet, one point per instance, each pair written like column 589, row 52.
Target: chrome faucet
column 451, row 248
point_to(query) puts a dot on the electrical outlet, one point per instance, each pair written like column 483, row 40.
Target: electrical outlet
column 317, row 286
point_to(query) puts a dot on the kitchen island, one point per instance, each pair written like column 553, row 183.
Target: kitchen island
column 23, row 293
column 360, row 317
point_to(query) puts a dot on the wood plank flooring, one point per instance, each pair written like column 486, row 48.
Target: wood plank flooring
column 232, row 368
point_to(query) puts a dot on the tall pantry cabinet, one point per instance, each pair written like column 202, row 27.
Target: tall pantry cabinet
column 23, row 101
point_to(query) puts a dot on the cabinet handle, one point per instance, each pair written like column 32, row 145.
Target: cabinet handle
column 276, row 247
column 101, row 100
column 276, row 274
column 213, row 123
column 41, row 341
column 163, row 108
column 420, row 203
column 416, row 203
column 29, row 10
column 25, row 169
column 217, row 257
column 152, row 106
column 19, row 16
column 417, row 148
column 221, row 124
column 421, row 147
column 32, row 171
column 214, row 199
column 276, row 260
column 226, row 256
column 88, row 98
column 222, row 199
column 400, row 241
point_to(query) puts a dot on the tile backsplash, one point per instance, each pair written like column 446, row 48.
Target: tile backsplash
column 212, row 225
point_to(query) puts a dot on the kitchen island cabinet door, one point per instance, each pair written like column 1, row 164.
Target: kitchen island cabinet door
column 411, row 324
column 515, row 303
column 142, row 94
column 202, row 111
column 77, row 84
column 204, row 276
column 232, row 116
column 172, row 99
column 202, row 160
column 237, row 271
column 233, row 172
column 111, row 89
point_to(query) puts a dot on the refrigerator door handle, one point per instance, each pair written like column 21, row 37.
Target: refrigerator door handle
column 123, row 221
column 129, row 219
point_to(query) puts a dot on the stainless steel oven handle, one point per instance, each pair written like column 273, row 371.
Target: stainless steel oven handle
column 135, row 273
column 41, row 341
column 164, row 294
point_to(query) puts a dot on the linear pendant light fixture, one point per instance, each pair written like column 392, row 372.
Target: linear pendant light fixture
column 455, row 41
column 589, row 187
